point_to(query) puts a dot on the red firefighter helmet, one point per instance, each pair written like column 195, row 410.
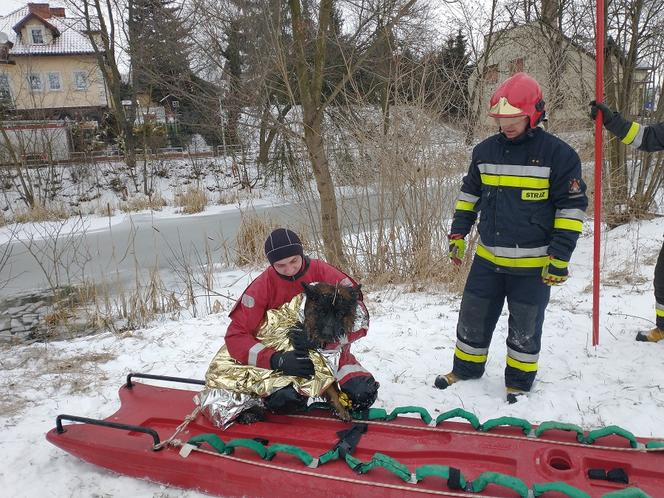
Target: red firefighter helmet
column 519, row 95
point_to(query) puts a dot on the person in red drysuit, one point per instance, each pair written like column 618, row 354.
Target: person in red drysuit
column 275, row 286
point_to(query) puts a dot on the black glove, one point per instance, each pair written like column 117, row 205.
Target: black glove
column 612, row 120
column 607, row 112
column 295, row 363
column 299, row 340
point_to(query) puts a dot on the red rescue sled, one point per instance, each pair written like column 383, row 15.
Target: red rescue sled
column 553, row 457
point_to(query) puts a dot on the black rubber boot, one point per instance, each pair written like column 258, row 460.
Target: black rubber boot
column 445, row 381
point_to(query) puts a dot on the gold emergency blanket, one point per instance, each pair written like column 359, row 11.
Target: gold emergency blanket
column 226, row 373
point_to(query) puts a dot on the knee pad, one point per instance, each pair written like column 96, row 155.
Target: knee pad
column 362, row 391
column 286, row 400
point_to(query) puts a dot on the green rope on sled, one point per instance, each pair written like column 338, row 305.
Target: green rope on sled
column 382, row 414
column 289, row 449
column 560, row 487
column 402, row 471
column 265, row 453
column 504, row 480
column 512, row 421
column 211, row 439
column 560, row 426
column 424, row 414
column 611, row 431
column 459, row 412
column 370, row 414
column 442, row 471
column 379, row 460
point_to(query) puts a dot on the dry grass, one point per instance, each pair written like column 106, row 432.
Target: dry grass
column 192, row 201
column 141, row 203
column 40, row 213
column 250, row 240
column 230, row 197
column 3, row 220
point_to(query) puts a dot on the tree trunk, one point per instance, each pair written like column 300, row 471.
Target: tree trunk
column 333, row 245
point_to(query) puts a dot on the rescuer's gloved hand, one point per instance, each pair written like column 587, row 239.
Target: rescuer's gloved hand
column 595, row 107
column 299, row 340
column 555, row 272
column 457, row 248
column 612, row 120
column 295, row 363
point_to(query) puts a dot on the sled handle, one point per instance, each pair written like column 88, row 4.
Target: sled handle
column 162, row 377
column 104, row 423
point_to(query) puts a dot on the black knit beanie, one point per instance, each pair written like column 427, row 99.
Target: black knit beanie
column 282, row 243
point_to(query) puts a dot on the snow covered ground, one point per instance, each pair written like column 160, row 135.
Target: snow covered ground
column 410, row 341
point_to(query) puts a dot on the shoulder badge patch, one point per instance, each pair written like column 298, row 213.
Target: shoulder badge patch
column 248, row 301
column 574, row 186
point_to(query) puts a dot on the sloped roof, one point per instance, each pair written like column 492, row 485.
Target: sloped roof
column 72, row 37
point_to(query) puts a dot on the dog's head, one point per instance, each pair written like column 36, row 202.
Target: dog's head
column 329, row 311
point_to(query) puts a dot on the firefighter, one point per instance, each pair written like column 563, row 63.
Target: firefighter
column 649, row 139
column 526, row 186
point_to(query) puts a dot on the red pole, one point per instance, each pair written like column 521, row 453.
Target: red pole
column 599, row 97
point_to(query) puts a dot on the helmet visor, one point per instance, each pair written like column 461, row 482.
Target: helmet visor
column 503, row 109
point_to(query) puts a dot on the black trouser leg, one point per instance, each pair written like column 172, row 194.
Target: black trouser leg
column 659, row 289
column 286, row 400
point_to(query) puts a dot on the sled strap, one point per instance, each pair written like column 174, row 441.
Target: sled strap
column 612, row 430
column 560, row 487
column 654, row 444
column 349, row 438
column 511, row 421
column 499, row 479
column 459, row 412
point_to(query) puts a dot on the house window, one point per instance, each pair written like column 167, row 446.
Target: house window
column 81, row 80
column 37, row 35
column 491, row 73
column 35, row 82
column 54, row 83
column 515, row 66
column 5, row 90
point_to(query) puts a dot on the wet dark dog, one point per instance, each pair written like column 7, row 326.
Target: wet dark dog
column 329, row 315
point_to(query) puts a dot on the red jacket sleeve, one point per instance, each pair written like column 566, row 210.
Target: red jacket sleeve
column 246, row 316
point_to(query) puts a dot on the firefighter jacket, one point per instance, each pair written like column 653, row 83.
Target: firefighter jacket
column 647, row 138
column 269, row 291
column 530, row 198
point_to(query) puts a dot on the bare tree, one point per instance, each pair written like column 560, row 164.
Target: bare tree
column 102, row 19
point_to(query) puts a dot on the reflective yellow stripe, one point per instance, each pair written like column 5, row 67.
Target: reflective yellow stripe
column 465, row 206
column 558, row 263
column 535, row 262
column 520, row 365
column 659, row 312
column 633, row 130
column 534, row 195
column 568, row 224
column 514, row 181
column 474, row 358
